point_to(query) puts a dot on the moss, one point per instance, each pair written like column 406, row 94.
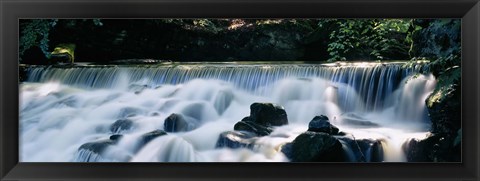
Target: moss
column 445, row 85
column 444, row 104
column 67, row 48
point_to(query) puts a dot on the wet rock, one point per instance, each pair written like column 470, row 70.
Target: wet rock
column 444, row 104
column 129, row 112
column 116, row 137
column 147, row 137
column 314, row 147
column 99, row 146
column 63, row 53
column 136, row 88
column 154, row 114
column 435, row 148
column 95, row 151
column 70, row 101
column 247, row 125
column 437, row 38
column 363, row 150
column 263, row 116
column 235, row 139
column 121, row 125
column 223, row 99
column 322, row 124
column 357, row 121
column 61, row 58
column 194, row 110
column 268, row 114
column 178, row 123
column 444, row 110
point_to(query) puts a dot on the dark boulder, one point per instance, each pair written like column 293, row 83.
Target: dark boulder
column 444, row 104
column 322, row 124
column 436, row 38
column 235, row 139
column 95, row 151
column 247, row 125
column 268, row 114
column 363, row 150
column 99, row 146
column 444, row 110
column 435, row 148
column 314, row 147
column 116, row 137
column 147, row 137
column 121, row 125
column 178, row 123
column 61, row 58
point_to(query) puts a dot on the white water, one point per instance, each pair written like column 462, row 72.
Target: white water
column 61, row 109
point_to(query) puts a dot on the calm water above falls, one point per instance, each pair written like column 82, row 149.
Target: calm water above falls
column 63, row 108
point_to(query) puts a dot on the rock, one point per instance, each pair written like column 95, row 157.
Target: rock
column 137, row 89
column 268, row 114
column 63, row 53
column 376, row 152
column 194, row 110
column 247, row 125
column 418, row 150
column 444, row 104
column 314, row 147
column 435, row 148
column 178, row 123
column 147, row 137
column 121, row 125
column 22, row 73
column 444, row 110
column 95, row 151
column 262, row 117
column 235, row 139
column 129, row 112
column 99, row 146
column 322, row 124
column 61, row 58
column 437, row 38
column 222, row 100
column 116, row 137
column 363, row 150
column 354, row 120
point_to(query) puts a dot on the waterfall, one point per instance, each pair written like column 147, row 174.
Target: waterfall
column 375, row 81
column 67, row 107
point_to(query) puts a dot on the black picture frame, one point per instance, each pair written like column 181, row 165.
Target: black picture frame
column 11, row 11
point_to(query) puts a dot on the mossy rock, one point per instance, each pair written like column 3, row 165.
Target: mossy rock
column 63, row 53
column 444, row 104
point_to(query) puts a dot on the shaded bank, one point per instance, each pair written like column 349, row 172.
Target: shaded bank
column 222, row 39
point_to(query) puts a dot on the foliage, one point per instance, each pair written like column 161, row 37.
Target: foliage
column 35, row 33
column 372, row 39
column 206, row 25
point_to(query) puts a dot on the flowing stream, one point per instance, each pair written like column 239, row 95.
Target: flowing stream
column 64, row 108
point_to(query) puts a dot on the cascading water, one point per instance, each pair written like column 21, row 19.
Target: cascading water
column 63, row 108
